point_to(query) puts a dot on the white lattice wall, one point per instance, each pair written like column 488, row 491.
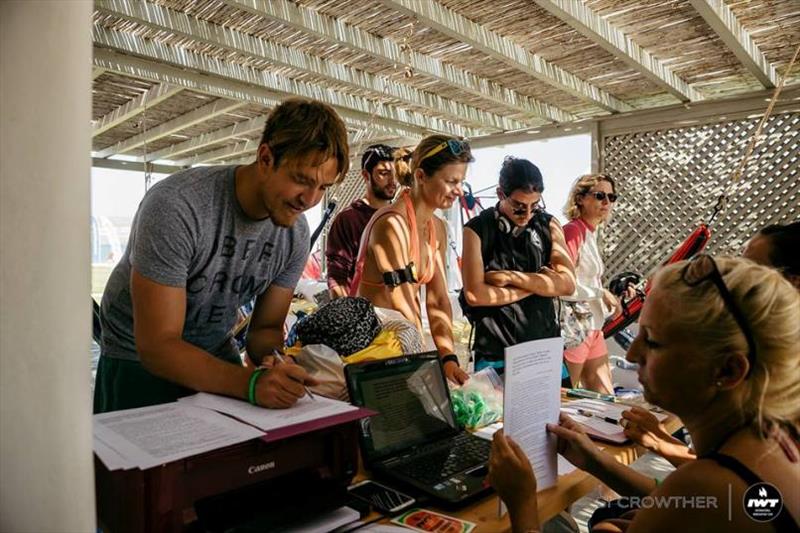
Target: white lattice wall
column 670, row 180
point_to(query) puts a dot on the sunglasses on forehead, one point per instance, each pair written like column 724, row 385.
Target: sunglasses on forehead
column 456, row 147
column 379, row 152
column 600, row 196
column 703, row 268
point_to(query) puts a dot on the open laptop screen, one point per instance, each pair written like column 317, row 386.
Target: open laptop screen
column 411, row 395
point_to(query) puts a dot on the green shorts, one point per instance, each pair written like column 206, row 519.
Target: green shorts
column 125, row 384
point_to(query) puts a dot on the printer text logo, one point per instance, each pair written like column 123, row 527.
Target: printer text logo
column 255, row 469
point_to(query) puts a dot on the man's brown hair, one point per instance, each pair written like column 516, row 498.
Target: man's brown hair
column 298, row 126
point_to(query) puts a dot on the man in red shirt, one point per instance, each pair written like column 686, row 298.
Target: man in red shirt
column 344, row 237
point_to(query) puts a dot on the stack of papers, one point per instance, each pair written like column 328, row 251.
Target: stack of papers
column 305, row 410
column 151, row 436
column 601, row 419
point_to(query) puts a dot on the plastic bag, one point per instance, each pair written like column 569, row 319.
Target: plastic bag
column 479, row 402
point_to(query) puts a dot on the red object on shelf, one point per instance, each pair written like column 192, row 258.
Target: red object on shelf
column 693, row 244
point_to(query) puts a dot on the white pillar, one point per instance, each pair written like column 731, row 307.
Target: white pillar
column 46, row 464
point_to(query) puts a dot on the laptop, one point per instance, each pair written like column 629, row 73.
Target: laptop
column 415, row 438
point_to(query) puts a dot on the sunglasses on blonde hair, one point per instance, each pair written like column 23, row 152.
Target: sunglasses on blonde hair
column 702, row 268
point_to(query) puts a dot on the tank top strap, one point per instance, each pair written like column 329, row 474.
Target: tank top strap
column 362, row 254
column 784, row 522
column 411, row 218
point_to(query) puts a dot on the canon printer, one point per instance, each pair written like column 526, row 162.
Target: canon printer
column 259, row 485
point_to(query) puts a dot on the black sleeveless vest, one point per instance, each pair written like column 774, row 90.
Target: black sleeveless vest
column 529, row 319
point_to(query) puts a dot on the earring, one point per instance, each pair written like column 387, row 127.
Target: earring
column 718, row 384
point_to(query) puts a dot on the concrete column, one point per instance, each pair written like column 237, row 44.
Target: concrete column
column 45, row 410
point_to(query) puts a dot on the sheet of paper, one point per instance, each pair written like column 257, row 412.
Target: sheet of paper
column 564, row 466
column 326, row 522
column 591, row 415
column 150, row 436
column 109, row 456
column 305, row 410
column 532, row 399
column 613, row 410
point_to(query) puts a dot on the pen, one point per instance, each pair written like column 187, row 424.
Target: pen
column 280, row 359
column 606, row 418
column 583, row 393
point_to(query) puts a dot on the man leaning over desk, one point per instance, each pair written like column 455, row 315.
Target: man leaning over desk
column 204, row 242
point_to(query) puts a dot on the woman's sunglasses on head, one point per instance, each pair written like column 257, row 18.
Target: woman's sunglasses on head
column 702, row 268
column 456, row 147
column 600, row 196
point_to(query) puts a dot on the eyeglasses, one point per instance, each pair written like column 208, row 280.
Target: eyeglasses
column 703, row 267
column 456, row 147
column 600, row 196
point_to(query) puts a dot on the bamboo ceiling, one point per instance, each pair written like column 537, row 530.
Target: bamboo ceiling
column 188, row 81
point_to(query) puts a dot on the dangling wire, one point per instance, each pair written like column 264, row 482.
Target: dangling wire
column 722, row 201
column 148, row 167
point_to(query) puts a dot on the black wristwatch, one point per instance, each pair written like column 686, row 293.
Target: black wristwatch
column 450, row 357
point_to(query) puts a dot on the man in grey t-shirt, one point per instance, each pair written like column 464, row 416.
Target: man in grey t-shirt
column 204, row 242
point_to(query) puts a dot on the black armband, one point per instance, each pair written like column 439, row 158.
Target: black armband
column 450, row 357
column 401, row 275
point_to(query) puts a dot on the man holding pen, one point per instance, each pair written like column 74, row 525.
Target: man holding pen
column 205, row 241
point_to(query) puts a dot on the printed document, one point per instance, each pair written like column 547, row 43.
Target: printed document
column 532, row 399
column 151, row 436
column 305, row 410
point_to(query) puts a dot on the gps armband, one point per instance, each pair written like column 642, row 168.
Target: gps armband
column 401, row 275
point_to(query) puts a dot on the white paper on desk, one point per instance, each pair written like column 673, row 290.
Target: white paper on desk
column 613, row 410
column 325, row 522
column 150, row 436
column 305, row 410
column 109, row 456
column 532, row 399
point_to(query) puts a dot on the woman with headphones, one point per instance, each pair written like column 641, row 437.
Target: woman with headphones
column 515, row 264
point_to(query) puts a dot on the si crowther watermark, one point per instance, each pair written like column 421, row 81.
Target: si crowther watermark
column 668, row 502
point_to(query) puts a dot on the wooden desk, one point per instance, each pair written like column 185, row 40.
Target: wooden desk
column 569, row 488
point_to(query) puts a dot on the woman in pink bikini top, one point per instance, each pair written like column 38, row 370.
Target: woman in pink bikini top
column 403, row 246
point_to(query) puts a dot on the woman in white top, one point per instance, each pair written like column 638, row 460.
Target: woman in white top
column 589, row 205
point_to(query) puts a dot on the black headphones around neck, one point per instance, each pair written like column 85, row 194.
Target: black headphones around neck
column 505, row 225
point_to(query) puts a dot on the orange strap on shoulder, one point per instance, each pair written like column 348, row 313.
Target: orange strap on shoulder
column 432, row 243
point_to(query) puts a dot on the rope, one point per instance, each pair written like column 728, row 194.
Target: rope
column 722, row 201
column 148, row 167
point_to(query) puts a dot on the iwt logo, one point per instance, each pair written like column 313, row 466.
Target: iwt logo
column 763, row 502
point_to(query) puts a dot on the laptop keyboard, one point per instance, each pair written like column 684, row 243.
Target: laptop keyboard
column 462, row 452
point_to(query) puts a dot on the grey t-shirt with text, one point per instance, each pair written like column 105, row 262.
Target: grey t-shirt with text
column 191, row 232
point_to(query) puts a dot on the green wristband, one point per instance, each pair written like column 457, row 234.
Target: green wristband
column 251, row 392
